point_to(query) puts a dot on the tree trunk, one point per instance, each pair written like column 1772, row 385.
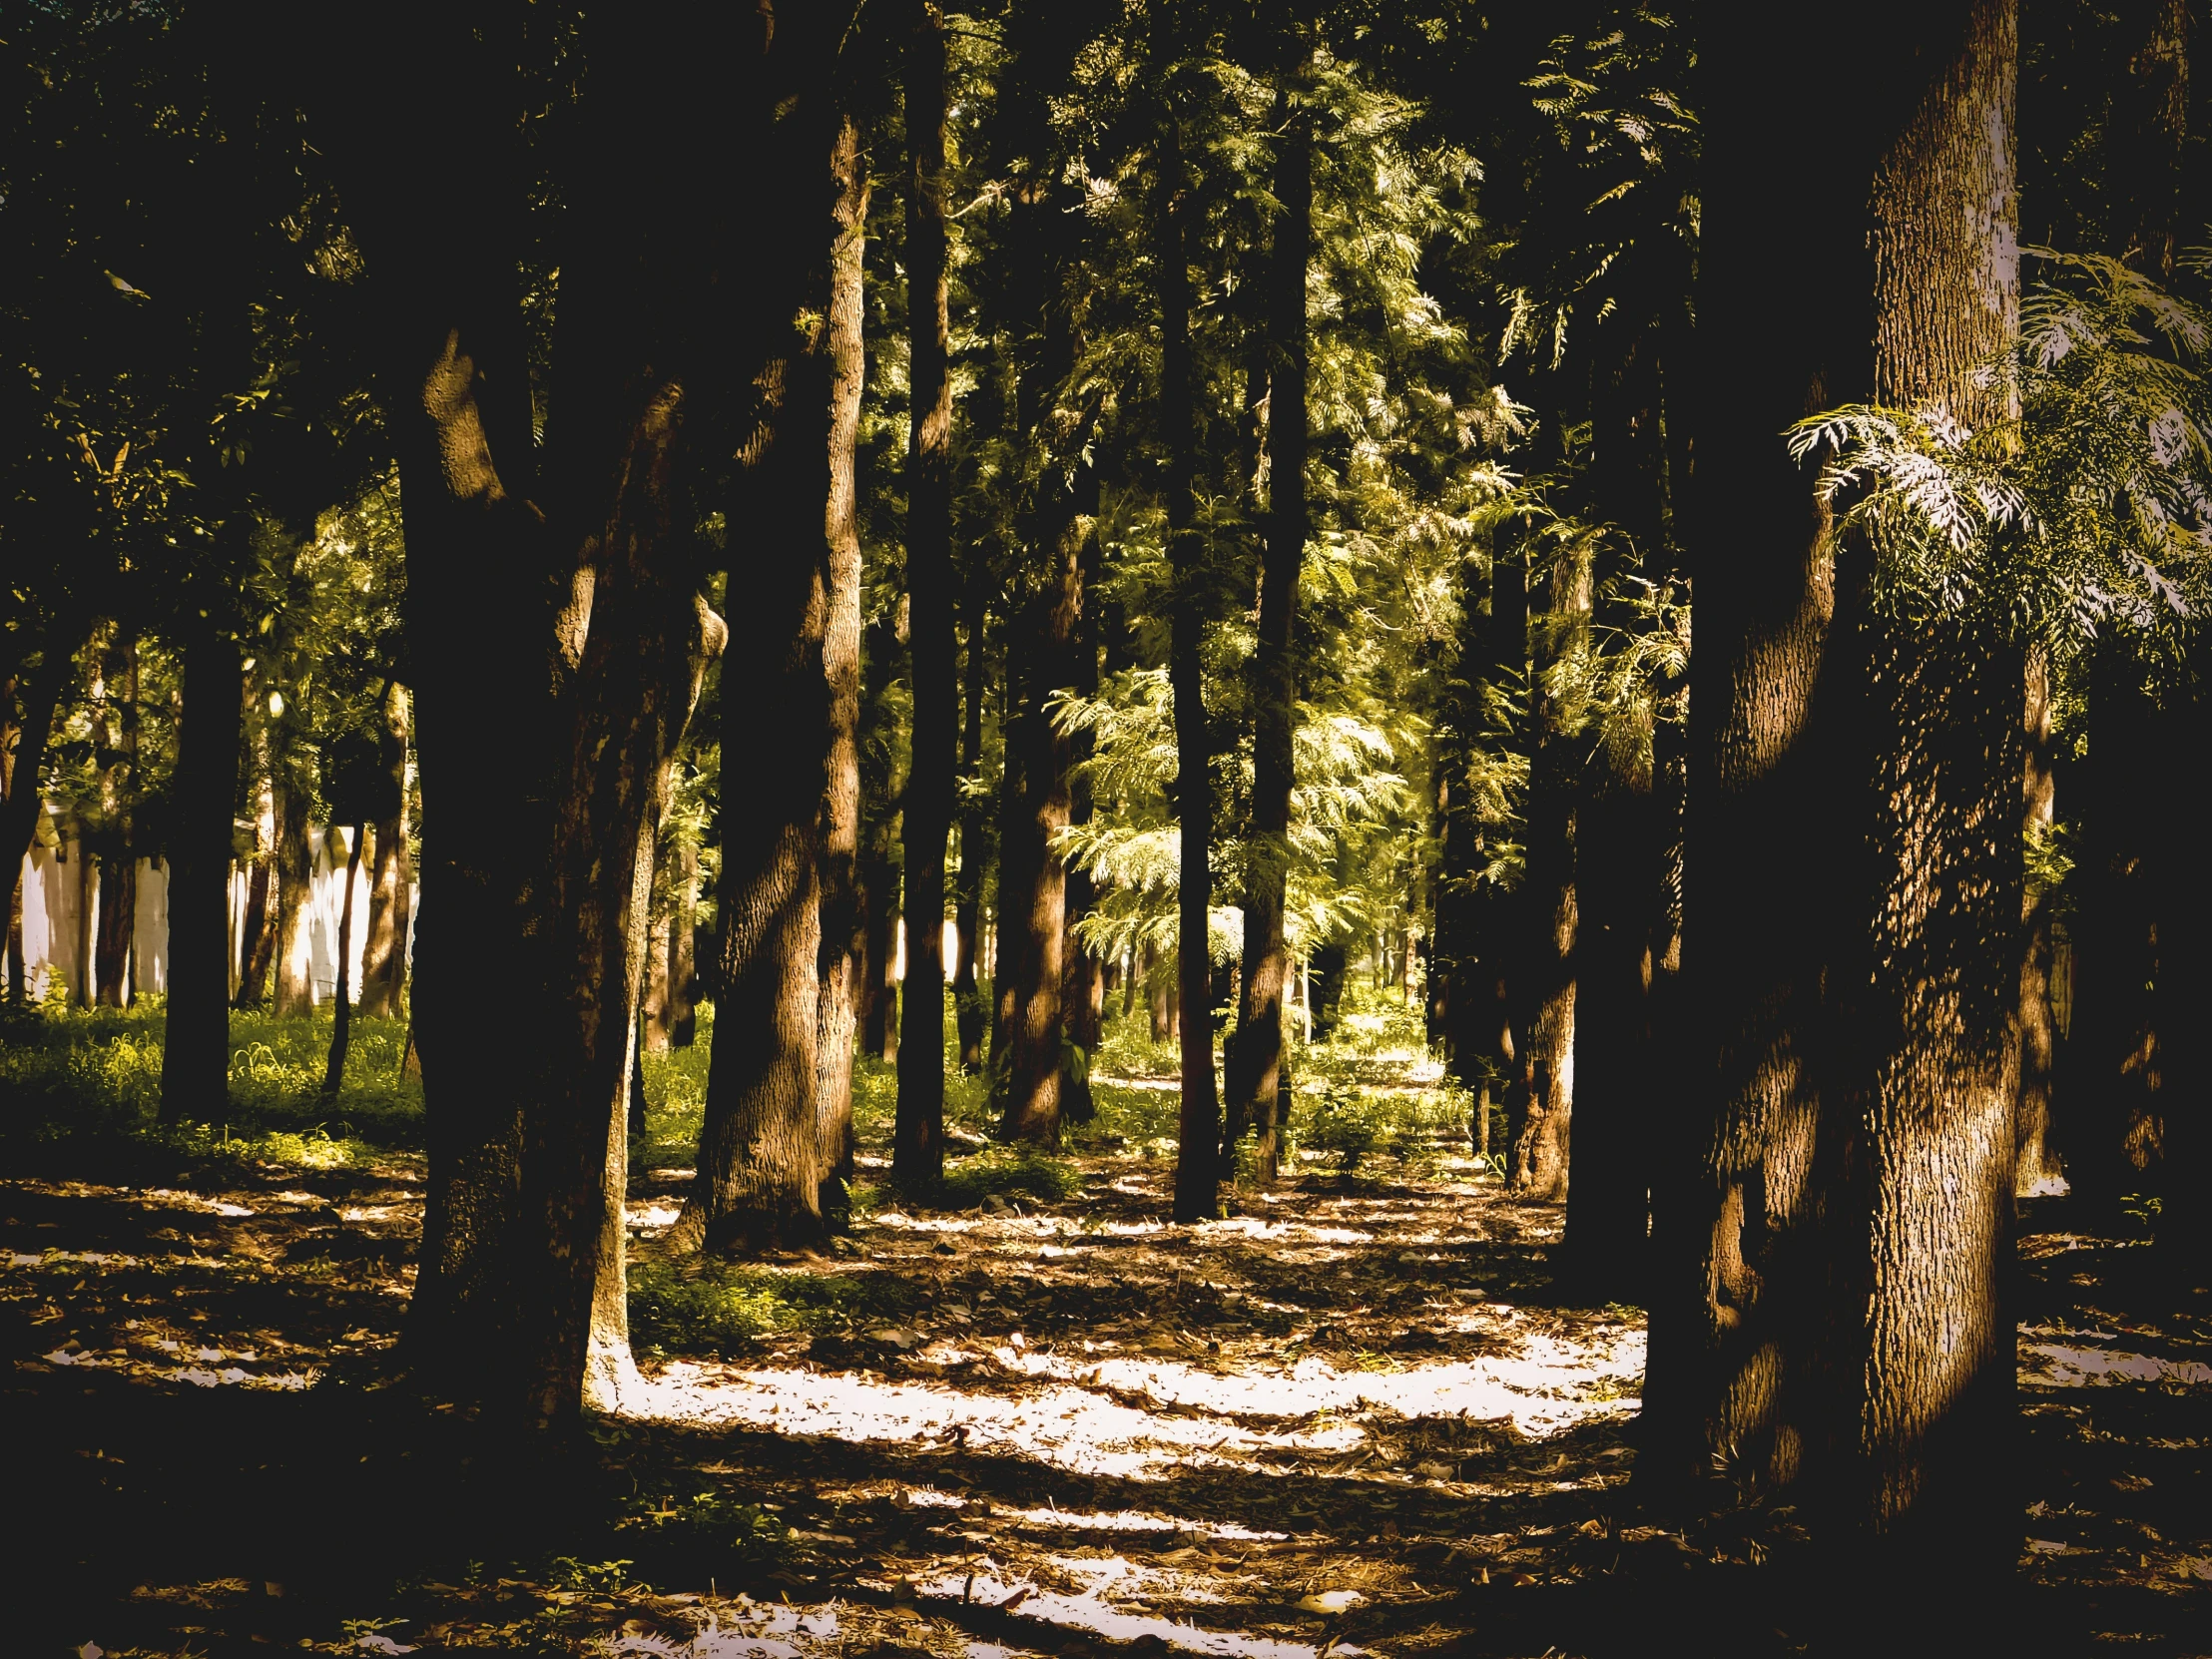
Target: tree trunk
column 2036, row 1172
column 1155, row 996
column 683, row 1021
column 118, row 854
column 841, row 803
column 341, row 1021
column 294, row 858
column 879, row 1013
column 760, row 1166
column 918, row 1154
column 258, row 942
column 977, row 844
column 652, row 1009
column 195, row 1052
column 1083, row 988
column 384, row 951
column 2149, row 155
column 1831, row 1325
column 1032, row 885
column 1545, row 997
column 21, row 789
column 1198, row 1162
column 1257, row 1080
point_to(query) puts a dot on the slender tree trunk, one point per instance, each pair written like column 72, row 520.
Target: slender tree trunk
column 1083, row 988
column 258, row 941
column 653, row 994
column 21, row 788
column 341, row 1023
column 2148, row 148
column 1834, row 1325
column 840, row 805
column 195, row 1053
column 2037, row 1171
column 977, row 844
column 1155, row 996
column 683, row 1021
column 1548, row 908
column 384, row 951
column 294, row 861
column 1256, row 1098
column 1198, row 1162
column 918, row 1155
column 879, row 946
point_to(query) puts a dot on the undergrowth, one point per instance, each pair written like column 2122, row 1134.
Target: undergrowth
column 707, row 1306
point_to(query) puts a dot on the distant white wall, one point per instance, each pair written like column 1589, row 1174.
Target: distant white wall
column 60, row 917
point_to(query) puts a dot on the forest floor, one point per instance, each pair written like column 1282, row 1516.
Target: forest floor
column 1350, row 1417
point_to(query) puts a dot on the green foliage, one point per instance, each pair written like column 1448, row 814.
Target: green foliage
column 94, row 1077
column 707, row 1306
column 1008, row 1171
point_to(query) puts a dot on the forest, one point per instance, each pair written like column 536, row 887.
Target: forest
column 948, row 870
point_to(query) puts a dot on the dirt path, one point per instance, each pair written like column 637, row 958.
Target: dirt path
column 1348, row 1417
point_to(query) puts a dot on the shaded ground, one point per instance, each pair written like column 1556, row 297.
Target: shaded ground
column 1349, row 1416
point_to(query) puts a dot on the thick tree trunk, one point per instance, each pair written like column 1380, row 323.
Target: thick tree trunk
column 391, row 878
column 841, row 803
column 760, row 1164
column 1032, row 885
column 1198, row 1159
column 195, row 1053
column 1832, row 1323
column 1255, row 1099
column 118, row 919
column 918, row 1153
column 342, row 1021
column 978, row 845
column 294, row 861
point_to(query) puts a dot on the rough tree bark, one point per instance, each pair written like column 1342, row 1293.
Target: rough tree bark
column 2037, row 1166
column 760, row 1166
column 195, row 1050
column 917, row 1151
column 1831, row 1323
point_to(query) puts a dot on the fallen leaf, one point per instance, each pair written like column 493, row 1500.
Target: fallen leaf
column 1330, row 1603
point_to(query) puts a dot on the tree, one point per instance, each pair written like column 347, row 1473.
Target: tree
column 1831, row 1321
column 919, row 1144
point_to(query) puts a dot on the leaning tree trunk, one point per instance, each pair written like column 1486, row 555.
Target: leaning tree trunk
column 1256, row 1080
column 841, row 658
column 384, row 950
column 1831, row 1325
column 1198, row 1159
column 917, row 1141
column 195, row 1050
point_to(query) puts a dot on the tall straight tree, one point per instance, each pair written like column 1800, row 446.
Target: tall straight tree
column 761, row 1155
column 1256, row 1080
column 392, row 881
column 978, row 845
column 195, row 1053
column 918, row 1152
column 1198, row 1159
column 1829, row 1321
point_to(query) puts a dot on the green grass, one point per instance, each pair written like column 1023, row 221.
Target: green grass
column 708, row 1305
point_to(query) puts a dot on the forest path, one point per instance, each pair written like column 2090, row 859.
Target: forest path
column 1349, row 1416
